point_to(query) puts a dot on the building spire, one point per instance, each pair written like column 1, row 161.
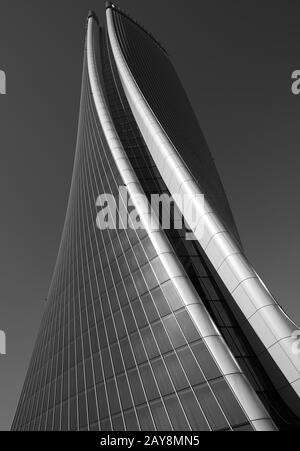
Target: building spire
column 93, row 15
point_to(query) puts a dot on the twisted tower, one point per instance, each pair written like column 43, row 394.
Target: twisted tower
column 145, row 330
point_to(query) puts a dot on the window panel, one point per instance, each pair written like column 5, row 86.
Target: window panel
column 106, row 425
column 89, row 374
column 161, row 302
column 140, row 283
column 122, row 293
column 138, row 348
column 94, row 340
column 131, row 290
column 98, row 312
column 211, row 408
column 129, row 320
column 111, row 330
column 120, row 325
column 159, row 270
column 80, row 378
column 102, row 401
column 83, row 420
column 86, row 346
column 178, row 377
column 150, row 278
column 140, row 255
column 124, row 391
column 115, row 271
column 114, row 403
column 162, row 338
column 149, row 343
column 136, row 387
column 172, row 296
column 174, row 332
column 92, row 407
column 65, row 387
column 139, row 314
column 221, row 313
column 161, row 417
column 188, row 327
column 102, row 336
column 149, row 248
column 113, row 304
column 190, row 366
column 97, row 369
column 149, row 382
column 54, row 422
column 131, row 421
column 118, row 423
column 231, row 407
column 176, row 414
column 150, row 309
column 123, row 266
column 127, row 353
column 73, row 387
column 117, row 359
column 205, row 360
column 193, row 411
column 209, row 289
column 145, row 419
column 79, row 351
column 107, row 365
column 49, row 422
column 198, row 265
column 131, row 259
column 162, row 377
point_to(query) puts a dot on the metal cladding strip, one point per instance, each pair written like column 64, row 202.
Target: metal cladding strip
column 230, row 369
column 260, row 309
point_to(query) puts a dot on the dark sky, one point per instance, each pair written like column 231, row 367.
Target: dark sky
column 235, row 59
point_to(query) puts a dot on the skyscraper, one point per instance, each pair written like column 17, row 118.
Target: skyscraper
column 146, row 329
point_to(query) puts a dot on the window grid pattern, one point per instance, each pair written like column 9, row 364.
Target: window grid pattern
column 203, row 276
column 161, row 86
column 113, row 352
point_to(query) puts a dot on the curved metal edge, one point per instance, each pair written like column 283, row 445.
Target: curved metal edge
column 211, row 336
column 258, row 306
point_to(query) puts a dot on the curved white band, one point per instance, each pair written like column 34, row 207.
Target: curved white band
column 211, row 336
column 260, row 309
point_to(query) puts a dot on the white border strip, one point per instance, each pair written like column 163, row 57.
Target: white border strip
column 228, row 366
column 260, row 309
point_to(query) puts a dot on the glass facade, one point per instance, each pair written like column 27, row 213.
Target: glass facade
column 118, row 349
column 169, row 102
